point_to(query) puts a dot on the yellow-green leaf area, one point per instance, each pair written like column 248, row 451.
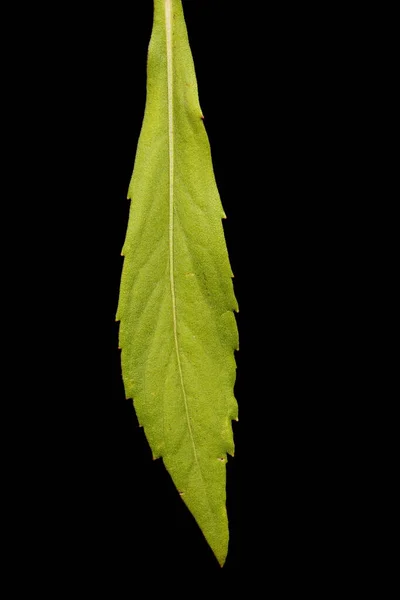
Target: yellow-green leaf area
column 177, row 328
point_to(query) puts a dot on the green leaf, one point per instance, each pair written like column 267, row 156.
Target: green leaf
column 178, row 332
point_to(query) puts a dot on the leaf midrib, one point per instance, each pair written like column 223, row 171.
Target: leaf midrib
column 171, row 156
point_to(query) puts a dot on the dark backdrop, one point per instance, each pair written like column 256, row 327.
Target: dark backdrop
column 272, row 114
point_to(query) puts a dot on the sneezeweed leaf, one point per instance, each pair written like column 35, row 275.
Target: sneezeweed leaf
column 177, row 328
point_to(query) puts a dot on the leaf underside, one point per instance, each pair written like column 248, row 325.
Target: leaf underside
column 177, row 328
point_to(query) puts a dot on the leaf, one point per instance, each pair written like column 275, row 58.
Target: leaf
column 178, row 332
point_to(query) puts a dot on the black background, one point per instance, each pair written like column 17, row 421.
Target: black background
column 262, row 122
column 110, row 516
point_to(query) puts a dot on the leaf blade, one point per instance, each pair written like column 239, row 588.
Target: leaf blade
column 177, row 330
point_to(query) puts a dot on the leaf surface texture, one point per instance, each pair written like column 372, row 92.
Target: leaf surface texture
column 177, row 328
